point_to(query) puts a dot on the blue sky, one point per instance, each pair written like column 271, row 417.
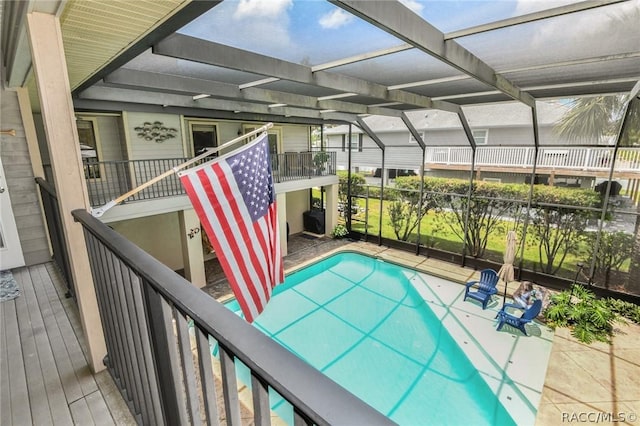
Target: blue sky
column 317, row 31
column 314, row 31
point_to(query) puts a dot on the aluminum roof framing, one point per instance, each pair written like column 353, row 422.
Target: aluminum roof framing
column 396, row 19
column 206, row 52
column 145, row 80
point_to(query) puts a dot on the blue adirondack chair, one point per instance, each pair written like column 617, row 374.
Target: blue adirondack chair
column 527, row 316
column 483, row 288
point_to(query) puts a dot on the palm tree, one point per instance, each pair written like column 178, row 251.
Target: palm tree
column 596, row 120
column 592, row 120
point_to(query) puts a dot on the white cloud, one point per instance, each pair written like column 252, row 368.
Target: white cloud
column 413, row 5
column 588, row 33
column 335, row 19
column 261, row 8
column 529, row 6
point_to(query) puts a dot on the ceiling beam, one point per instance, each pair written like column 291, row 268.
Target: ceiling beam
column 178, row 100
column 144, row 80
column 583, row 61
column 207, row 52
column 88, row 105
column 361, row 57
column 370, row 133
column 530, row 17
column 490, row 26
column 635, row 91
column 396, row 19
column 414, row 132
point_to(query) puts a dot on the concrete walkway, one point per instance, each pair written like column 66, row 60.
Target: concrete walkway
column 597, row 383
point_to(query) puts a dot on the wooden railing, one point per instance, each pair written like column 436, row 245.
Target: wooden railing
column 558, row 158
column 173, row 350
column 107, row 180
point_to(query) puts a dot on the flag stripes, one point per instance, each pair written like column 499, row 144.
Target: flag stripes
column 248, row 250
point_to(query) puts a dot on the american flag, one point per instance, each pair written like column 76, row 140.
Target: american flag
column 235, row 202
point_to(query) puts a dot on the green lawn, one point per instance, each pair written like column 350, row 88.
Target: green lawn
column 437, row 234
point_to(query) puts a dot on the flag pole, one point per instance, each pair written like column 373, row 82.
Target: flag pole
column 97, row 212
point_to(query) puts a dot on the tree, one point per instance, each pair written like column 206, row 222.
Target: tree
column 614, row 249
column 490, row 204
column 592, row 119
column 558, row 219
column 357, row 183
column 407, row 209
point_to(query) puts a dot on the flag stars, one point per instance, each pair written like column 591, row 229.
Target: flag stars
column 252, row 173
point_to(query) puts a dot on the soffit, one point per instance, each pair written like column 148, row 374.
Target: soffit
column 95, row 32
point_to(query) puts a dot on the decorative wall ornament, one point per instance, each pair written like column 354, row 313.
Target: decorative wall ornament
column 193, row 232
column 155, row 131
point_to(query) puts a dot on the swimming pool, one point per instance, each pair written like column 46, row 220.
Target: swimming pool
column 363, row 323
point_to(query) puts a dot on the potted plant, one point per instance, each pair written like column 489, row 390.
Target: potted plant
column 339, row 231
column 320, row 162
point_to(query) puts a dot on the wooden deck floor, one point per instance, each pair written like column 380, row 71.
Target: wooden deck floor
column 44, row 374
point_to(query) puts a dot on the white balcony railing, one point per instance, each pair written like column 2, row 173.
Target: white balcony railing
column 556, row 158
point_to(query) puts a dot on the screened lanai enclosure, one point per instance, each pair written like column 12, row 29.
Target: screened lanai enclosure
column 430, row 87
column 574, row 206
column 450, row 124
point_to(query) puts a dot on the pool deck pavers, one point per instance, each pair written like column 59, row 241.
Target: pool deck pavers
column 583, row 383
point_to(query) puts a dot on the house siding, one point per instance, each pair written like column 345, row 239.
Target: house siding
column 400, row 153
column 297, row 203
column 142, row 149
column 158, row 235
column 21, row 184
column 110, row 138
column 295, row 138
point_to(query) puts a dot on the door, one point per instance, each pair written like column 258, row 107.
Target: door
column 204, row 135
column 10, row 249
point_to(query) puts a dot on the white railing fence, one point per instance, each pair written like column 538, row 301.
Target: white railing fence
column 556, row 157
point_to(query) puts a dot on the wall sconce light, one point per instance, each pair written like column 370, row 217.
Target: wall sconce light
column 240, row 131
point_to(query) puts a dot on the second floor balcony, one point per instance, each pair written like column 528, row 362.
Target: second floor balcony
column 576, row 161
column 107, row 180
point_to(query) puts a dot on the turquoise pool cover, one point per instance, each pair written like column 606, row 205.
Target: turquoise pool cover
column 360, row 321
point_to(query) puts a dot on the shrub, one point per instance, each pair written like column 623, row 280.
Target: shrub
column 407, row 209
column 590, row 319
column 558, row 230
column 625, row 309
column 357, row 183
column 614, row 249
column 339, row 231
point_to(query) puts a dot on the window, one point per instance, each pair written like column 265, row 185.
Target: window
column 274, row 135
column 89, row 146
column 356, row 142
column 480, row 136
column 413, row 140
column 204, row 135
